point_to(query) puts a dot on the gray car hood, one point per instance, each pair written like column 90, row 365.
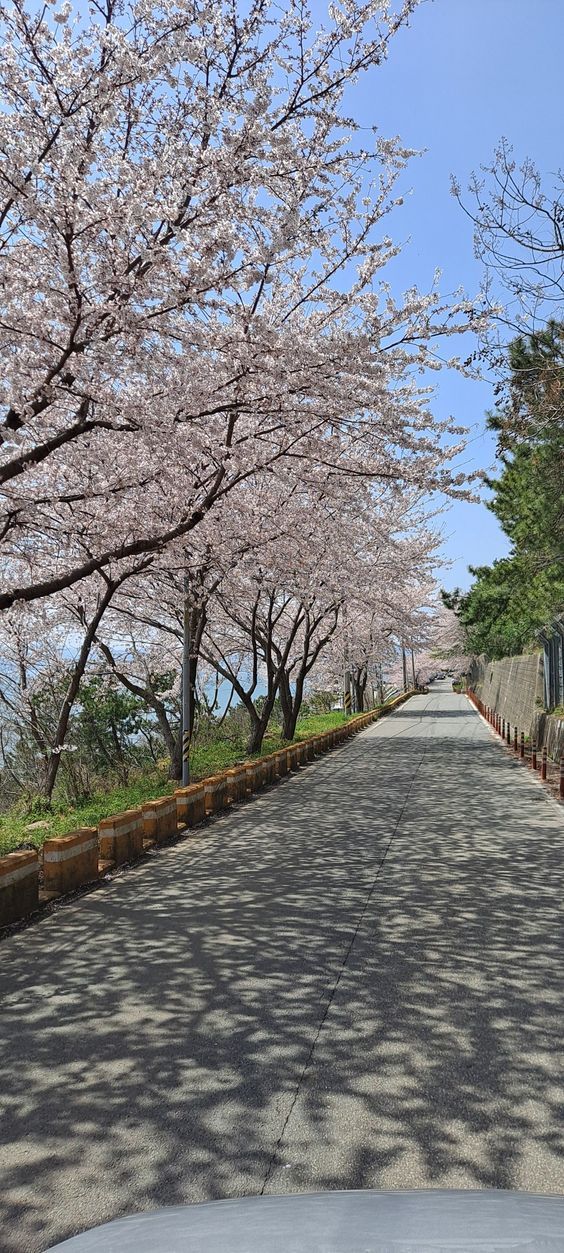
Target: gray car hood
column 341, row 1222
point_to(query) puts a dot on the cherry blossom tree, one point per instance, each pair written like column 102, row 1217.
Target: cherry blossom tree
column 205, row 228
column 53, row 642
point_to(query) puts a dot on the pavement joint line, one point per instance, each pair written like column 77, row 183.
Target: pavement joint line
column 342, row 968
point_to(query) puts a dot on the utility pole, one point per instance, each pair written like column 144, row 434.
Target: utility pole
column 186, row 691
column 413, row 668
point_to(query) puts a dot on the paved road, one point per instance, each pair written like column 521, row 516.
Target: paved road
column 356, row 980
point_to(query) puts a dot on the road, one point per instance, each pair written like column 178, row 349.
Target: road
column 355, row 980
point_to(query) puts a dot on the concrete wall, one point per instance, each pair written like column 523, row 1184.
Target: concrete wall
column 550, row 731
column 513, row 687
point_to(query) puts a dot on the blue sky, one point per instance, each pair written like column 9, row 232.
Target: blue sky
column 464, row 74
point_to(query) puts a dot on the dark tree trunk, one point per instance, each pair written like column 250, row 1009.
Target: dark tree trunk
column 72, row 693
column 197, row 624
column 291, row 704
column 360, row 680
column 172, row 737
column 404, row 667
column 175, row 753
column 289, row 716
column 258, row 727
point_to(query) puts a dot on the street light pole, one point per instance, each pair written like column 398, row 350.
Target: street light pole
column 186, row 692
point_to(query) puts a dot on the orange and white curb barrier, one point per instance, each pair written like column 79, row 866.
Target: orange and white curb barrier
column 215, row 789
column 121, row 837
column 160, row 820
column 19, row 885
column 69, row 861
column 190, row 805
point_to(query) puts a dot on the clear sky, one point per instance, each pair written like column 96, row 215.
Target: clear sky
column 464, row 74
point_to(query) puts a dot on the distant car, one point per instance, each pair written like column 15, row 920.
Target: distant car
column 341, row 1222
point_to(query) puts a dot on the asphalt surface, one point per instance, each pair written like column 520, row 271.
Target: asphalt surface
column 354, row 980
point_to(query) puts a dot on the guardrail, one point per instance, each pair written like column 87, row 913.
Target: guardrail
column 515, row 738
column 68, row 863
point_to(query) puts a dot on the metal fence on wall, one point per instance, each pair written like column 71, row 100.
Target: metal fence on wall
column 552, row 639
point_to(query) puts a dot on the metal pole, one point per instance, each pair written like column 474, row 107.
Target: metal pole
column 413, row 667
column 404, row 667
column 186, row 688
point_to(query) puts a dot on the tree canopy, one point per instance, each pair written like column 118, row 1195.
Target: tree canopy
column 514, row 597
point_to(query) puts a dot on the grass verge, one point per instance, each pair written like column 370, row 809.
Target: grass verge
column 207, row 757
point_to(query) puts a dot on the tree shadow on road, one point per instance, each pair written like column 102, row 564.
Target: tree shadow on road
column 405, row 1013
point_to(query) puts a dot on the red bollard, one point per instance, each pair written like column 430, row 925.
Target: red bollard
column 522, row 754
column 543, row 764
column 509, row 733
column 562, row 777
column 515, row 745
column 534, row 761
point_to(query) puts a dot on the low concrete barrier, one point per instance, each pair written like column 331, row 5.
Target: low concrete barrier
column 190, row 805
column 121, row 837
column 72, row 860
column 281, row 762
column 270, row 772
column 252, row 783
column 19, row 885
column 292, row 758
column 69, row 861
column 236, row 784
column 160, row 820
column 215, row 794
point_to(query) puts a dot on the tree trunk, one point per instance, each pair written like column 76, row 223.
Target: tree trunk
column 258, row 728
column 54, row 760
column 259, row 723
column 360, row 680
column 172, row 739
column 404, row 667
column 175, row 770
column 197, row 623
column 380, row 685
column 289, row 716
column 291, row 709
